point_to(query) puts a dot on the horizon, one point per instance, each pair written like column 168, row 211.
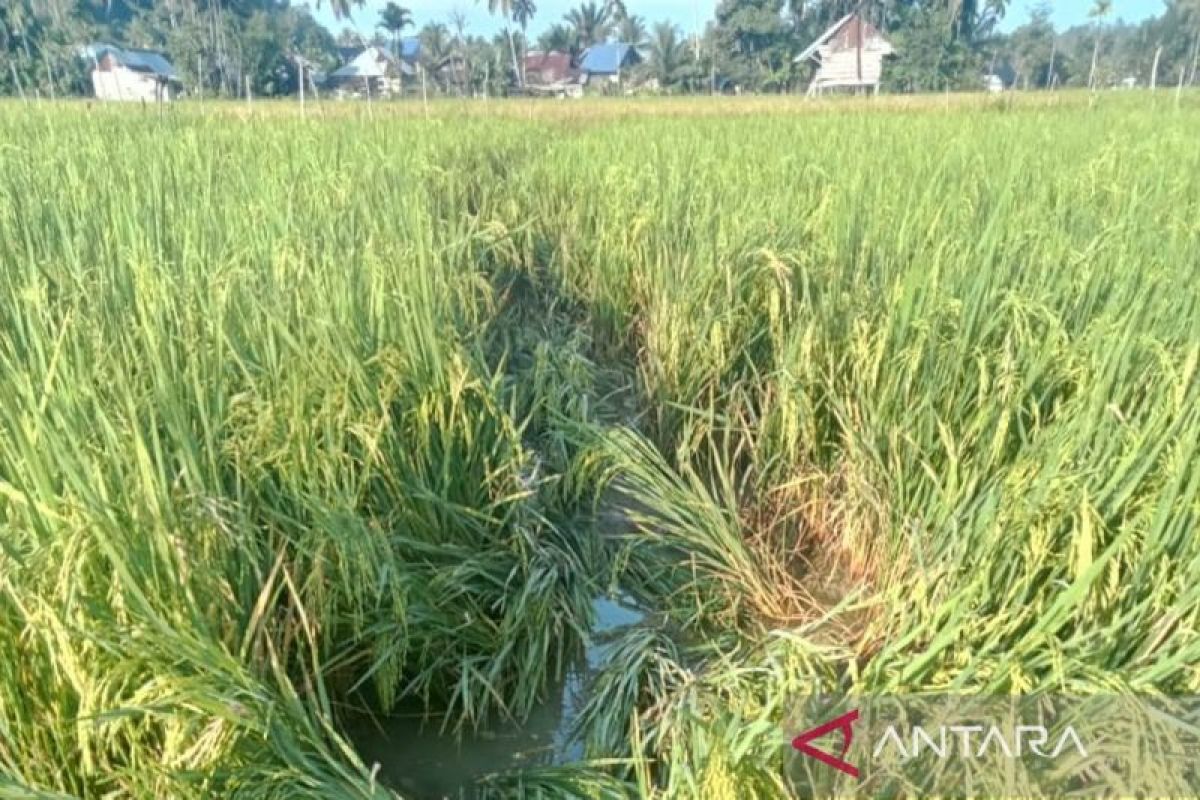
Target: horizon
column 688, row 15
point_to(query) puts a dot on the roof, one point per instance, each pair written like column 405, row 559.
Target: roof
column 550, row 68
column 410, row 50
column 608, row 58
column 372, row 62
column 844, row 37
column 150, row 61
column 553, row 61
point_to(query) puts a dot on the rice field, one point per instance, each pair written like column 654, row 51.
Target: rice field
column 309, row 419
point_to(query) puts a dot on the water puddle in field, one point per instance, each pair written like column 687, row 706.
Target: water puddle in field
column 421, row 762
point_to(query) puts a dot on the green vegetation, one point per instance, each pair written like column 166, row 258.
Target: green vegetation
column 747, row 45
column 301, row 416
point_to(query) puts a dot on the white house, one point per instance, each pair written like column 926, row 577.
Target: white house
column 131, row 75
column 374, row 71
column 849, row 55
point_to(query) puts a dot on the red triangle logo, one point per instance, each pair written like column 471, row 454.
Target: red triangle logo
column 844, row 723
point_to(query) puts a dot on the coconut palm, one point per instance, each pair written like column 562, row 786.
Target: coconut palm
column 341, row 8
column 632, row 31
column 561, row 38
column 591, row 22
column 1100, row 10
column 667, row 52
column 1189, row 13
column 394, row 19
column 522, row 12
column 435, row 46
column 505, row 9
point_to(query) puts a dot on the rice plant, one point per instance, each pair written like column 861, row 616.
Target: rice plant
column 302, row 417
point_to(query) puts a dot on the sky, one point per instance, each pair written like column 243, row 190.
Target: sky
column 689, row 15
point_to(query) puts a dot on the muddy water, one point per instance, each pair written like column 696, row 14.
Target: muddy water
column 415, row 758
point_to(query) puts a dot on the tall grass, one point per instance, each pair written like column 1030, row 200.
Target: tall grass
column 302, row 414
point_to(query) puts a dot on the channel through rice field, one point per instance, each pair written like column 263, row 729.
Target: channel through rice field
column 309, row 423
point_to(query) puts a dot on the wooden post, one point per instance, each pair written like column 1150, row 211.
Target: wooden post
column 859, row 40
column 300, row 67
column 49, row 74
column 1051, row 72
column 424, row 90
column 1154, row 69
column 20, row 89
column 312, row 83
column 249, row 99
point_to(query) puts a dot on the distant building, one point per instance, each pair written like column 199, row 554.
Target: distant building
column 130, row 75
column 552, row 73
column 373, row 71
column 410, row 50
column 608, row 60
column 849, row 55
column 993, row 83
column 544, row 68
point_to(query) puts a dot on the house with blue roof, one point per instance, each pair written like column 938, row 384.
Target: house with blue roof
column 608, row 60
column 131, row 75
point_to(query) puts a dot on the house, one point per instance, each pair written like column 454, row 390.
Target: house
column 130, row 75
column 552, row 73
column 373, row 71
column 450, row 70
column 993, row 83
column 849, row 55
column 410, row 50
column 548, row 68
column 607, row 60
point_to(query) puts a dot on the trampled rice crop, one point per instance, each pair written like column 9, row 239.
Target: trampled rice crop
column 302, row 416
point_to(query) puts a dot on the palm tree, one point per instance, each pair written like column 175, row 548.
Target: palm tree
column 1100, row 10
column 458, row 19
column 341, row 8
column 591, row 23
column 632, row 31
column 435, row 46
column 667, row 53
column 561, row 38
column 974, row 19
column 394, row 19
column 505, row 9
column 1189, row 11
column 436, row 50
column 522, row 12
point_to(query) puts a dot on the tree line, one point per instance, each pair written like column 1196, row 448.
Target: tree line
column 219, row 46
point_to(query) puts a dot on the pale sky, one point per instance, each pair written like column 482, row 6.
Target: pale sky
column 689, row 15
